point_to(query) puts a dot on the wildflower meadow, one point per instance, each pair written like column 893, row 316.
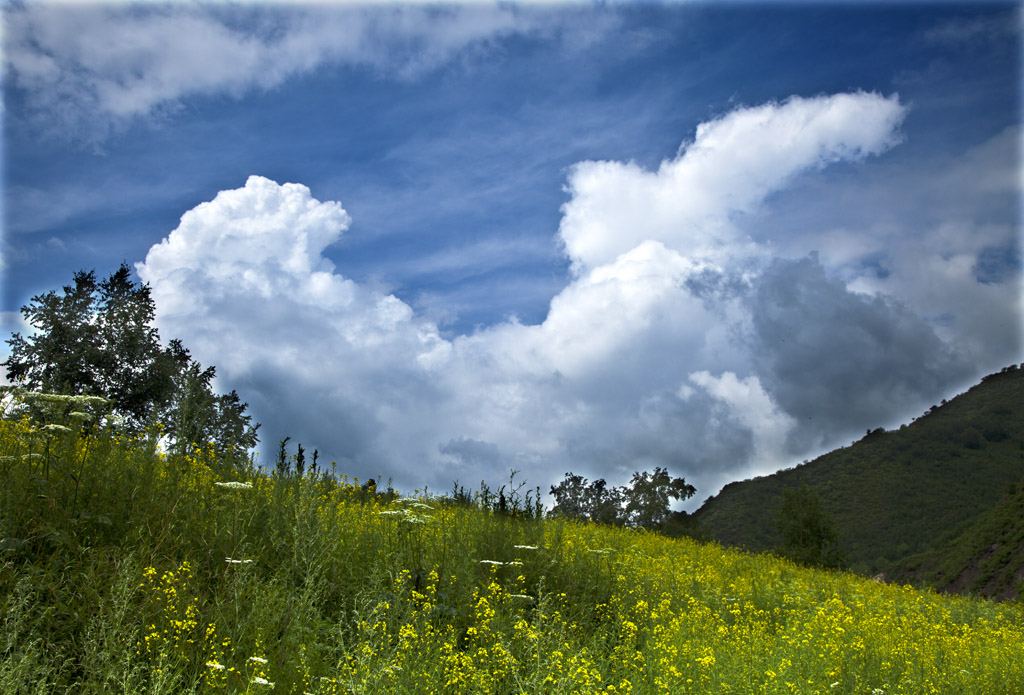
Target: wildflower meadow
column 127, row 570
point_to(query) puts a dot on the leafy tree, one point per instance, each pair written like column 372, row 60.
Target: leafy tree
column 97, row 338
column 64, row 354
column 571, row 499
column 649, row 496
column 644, row 503
column 136, row 373
column 194, row 414
column 605, row 503
column 576, row 498
column 807, row 529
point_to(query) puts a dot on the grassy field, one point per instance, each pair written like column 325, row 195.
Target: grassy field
column 127, row 571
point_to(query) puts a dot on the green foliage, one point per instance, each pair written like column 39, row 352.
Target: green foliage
column 576, row 498
column 649, row 495
column 986, row 557
column 894, row 494
column 126, row 570
column 508, row 501
column 96, row 338
column 283, row 463
column 644, row 503
column 807, row 530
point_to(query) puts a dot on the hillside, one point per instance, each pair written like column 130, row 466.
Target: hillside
column 986, row 558
column 125, row 570
column 898, row 493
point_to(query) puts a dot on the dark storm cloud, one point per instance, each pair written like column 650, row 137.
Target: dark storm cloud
column 835, row 359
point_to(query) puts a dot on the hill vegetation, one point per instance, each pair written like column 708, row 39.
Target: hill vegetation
column 985, row 559
column 124, row 569
column 902, row 493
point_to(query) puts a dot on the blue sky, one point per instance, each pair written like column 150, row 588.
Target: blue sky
column 719, row 239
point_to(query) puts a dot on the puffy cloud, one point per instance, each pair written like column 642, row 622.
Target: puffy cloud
column 945, row 241
column 678, row 342
column 691, row 202
column 243, row 282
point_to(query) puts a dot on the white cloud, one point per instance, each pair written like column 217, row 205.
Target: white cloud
column 691, row 202
column 618, row 377
column 754, row 409
column 89, row 68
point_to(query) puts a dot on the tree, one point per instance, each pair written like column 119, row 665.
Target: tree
column 575, row 498
column 136, row 373
column 649, row 496
column 644, row 503
column 571, row 498
column 807, row 530
column 605, row 503
column 63, row 355
column 196, row 415
column 97, row 338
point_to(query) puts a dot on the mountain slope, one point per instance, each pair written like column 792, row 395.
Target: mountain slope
column 987, row 558
column 895, row 494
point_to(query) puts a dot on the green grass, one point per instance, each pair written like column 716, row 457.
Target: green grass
column 125, row 571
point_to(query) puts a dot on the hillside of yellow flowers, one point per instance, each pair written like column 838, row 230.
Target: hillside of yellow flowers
column 126, row 570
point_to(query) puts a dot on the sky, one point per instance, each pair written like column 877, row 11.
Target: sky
column 442, row 243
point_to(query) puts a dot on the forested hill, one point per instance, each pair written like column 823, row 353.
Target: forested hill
column 898, row 493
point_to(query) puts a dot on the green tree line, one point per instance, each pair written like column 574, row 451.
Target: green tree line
column 643, row 503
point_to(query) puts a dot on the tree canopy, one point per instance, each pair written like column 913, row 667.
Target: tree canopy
column 808, row 532
column 644, row 503
column 97, row 338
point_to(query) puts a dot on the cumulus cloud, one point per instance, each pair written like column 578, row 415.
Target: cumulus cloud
column 677, row 342
column 691, row 202
column 90, row 68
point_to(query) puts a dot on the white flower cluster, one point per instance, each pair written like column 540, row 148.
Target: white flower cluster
column 235, row 485
column 39, row 397
column 408, row 515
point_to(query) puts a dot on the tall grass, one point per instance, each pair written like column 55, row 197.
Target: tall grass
column 124, row 570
